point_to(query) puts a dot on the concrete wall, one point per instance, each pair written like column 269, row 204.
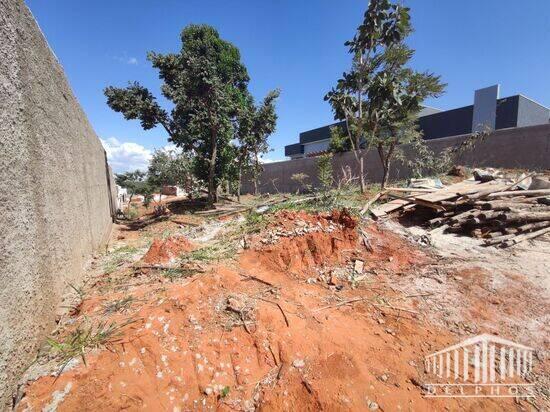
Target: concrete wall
column 55, row 208
column 525, row 147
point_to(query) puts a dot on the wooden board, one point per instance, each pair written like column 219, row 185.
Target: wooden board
column 389, row 207
column 450, row 191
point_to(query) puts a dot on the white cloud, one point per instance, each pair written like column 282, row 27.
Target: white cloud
column 124, row 58
column 124, row 156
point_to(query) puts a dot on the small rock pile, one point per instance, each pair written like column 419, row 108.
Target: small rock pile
column 302, row 228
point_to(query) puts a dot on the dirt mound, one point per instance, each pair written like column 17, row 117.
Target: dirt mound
column 167, row 250
column 299, row 244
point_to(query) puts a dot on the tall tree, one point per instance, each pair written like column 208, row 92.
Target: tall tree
column 257, row 124
column 207, row 83
column 379, row 95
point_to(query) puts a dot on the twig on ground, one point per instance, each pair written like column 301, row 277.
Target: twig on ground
column 345, row 302
column 280, row 308
column 257, row 279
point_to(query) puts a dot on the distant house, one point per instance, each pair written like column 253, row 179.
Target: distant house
column 122, row 196
column 488, row 110
column 173, row 191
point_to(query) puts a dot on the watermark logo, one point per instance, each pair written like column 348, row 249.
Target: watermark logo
column 480, row 367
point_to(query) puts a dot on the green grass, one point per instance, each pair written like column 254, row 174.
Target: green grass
column 85, row 338
column 117, row 257
column 218, row 251
column 348, row 197
column 254, row 222
column 177, row 273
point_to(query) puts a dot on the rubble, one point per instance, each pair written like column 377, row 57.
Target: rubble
column 490, row 206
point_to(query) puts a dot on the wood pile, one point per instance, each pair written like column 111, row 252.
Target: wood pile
column 232, row 207
column 498, row 211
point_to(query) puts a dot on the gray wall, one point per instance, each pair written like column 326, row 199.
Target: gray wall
column 54, row 192
column 531, row 113
column 526, row 147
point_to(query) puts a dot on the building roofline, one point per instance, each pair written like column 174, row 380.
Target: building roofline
column 322, row 127
column 534, row 101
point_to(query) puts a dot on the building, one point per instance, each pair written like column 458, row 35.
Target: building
column 488, row 110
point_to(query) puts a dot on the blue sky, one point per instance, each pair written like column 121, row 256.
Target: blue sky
column 294, row 45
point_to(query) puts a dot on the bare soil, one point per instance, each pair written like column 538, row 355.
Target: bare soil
column 288, row 323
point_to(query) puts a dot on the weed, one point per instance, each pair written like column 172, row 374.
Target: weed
column 300, row 179
column 175, row 273
column 118, row 305
column 254, row 222
column 224, row 249
column 132, row 212
column 79, row 291
column 225, row 391
column 84, row 338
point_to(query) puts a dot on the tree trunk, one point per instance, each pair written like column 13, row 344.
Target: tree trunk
column 362, row 172
column 256, row 173
column 386, row 167
column 386, row 162
column 239, row 183
column 212, row 193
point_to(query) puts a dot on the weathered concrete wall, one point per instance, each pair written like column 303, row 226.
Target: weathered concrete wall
column 525, row 147
column 54, row 192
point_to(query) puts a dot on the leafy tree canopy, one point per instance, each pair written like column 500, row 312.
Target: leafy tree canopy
column 207, row 84
column 380, row 95
column 257, row 124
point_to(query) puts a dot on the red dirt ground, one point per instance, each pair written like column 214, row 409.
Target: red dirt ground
column 272, row 339
column 167, row 250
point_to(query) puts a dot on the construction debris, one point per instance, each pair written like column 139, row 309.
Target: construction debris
column 225, row 210
column 501, row 210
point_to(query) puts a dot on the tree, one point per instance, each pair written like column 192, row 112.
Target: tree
column 380, row 95
column 168, row 167
column 324, row 172
column 207, row 84
column 339, row 140
column 257, row 124
column 134, row 182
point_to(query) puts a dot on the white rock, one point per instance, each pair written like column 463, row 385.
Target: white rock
column 298, row 363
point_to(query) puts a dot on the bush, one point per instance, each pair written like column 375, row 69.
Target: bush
column 301, row 178
column 324, row 171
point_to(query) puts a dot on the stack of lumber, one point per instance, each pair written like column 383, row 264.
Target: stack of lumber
column 232, row 207
column 498, row 211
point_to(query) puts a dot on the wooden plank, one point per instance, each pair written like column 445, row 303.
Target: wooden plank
column 526, row 236
column 449, row 192
column 540, row 192
column 415, row 200
column 411, row 189
column 487, row 188
column 391, row 206
column 370, row 202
